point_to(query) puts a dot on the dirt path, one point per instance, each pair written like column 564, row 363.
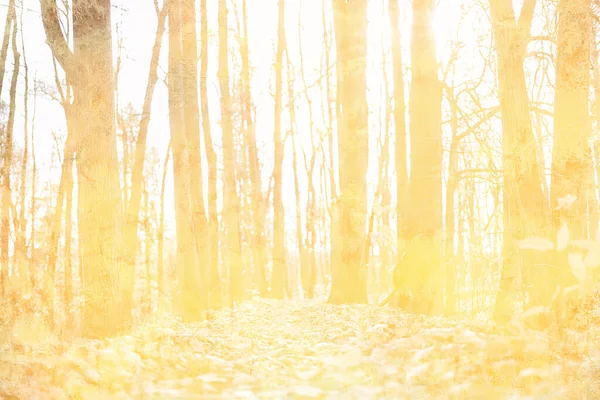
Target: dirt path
column 274, row 350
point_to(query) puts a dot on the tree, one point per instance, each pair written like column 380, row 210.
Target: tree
column 524, row 205
column 348, row 276
column 134, row 201
column 7, row 159
column 191, row 114
column 278, row 278
column 571, row 157
column 572, row 168
column 249, row 128
column 89, row 67
column 231, row 201
column 400, row 127
column 421, row 266
column 211, row 158
column 188, row 268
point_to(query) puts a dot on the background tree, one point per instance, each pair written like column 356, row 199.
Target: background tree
column 106, row 279
column 350, row 20
column 524, row 205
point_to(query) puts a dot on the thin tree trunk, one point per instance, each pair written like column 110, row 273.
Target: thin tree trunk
column 188, row 274
column 68, row 192
column 258, row 203
column 450, row 216
column 215, row 286
column 133, row 203
column 7, row 163
column 279, row 266
column 20, row 251
column 10, row 19
column 148, row 252
column 32, row 271
column 231, row 201
column 299, row 236
column 400, row 127
column 334, row 236
column 160, row 272
column 191, row 113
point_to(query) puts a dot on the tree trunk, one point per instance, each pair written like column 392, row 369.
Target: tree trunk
column 258, row 203
column 133, row 204
column 90, row 69
column 192, row 130
column 7, row 163
column 572, row 166
column 334, row 237
column 571, row 156
column 10, row 19
column 215, row 286
column 188, row 273
column 350, row 20
column 231, row 201
column 309, row 271
column 279, row 267
column 20, row 251
column 525, row 208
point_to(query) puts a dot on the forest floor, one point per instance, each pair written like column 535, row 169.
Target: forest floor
column 276, row 350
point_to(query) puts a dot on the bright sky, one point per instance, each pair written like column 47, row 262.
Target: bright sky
column 137, row 23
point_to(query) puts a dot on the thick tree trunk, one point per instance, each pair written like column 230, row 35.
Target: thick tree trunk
column 350, row 20
column 421, row 268
column 100, row 205
column 572, row 165
column 525, row 207
column 571, row 156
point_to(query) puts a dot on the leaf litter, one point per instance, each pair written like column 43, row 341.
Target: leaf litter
column 269, row 349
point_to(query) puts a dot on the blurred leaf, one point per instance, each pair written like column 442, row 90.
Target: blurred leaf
column 592, row 259
column 307, row 391
column 564, row 203
column 536, row 243
column 562, row 237
column 578, row 266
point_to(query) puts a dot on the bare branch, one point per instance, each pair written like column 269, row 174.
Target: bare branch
column 55, row 37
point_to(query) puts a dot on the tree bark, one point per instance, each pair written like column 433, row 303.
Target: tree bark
column 191, row 113
column 134, row 202
column 10, row 19
column 571, row 156
column 279, row 267
column 7, row 163
column 231, row 201
column 525, row 208
column 188, row 273
column 350, row 21
column 106, row 278
column 215, row 286
column 572, row 165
